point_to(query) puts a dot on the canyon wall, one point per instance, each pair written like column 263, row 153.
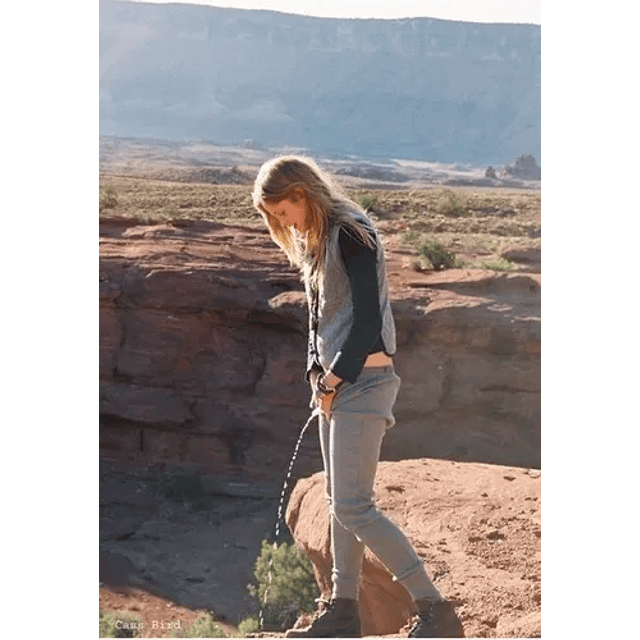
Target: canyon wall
column 202, row 355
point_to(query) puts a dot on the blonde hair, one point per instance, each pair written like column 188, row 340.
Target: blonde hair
column 291, row 178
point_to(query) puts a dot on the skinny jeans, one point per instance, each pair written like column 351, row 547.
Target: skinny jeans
column 350, row 441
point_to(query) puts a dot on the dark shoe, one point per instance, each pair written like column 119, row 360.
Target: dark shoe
column 436, row 620
column 337, row 618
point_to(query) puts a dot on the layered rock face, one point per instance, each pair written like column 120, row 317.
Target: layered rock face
column 200, row 353
column 203, row 345
column 470, row 364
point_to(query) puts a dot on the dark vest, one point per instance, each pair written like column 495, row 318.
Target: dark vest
column 328, row 329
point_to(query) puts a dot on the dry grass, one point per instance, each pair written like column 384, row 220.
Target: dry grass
column 157, row 200
column 475, row 224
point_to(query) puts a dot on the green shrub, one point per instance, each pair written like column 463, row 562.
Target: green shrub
column 203, row 627
column 367, row 201
column 292, row 589
column 439, row 257
column 114, row 624
column 248, row 625
column 500, row 264
column 449, row 204
column 410, row 238
column 108, row 199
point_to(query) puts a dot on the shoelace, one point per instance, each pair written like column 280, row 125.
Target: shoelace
column 424, row 616
column 427, row 616
column 322, row 605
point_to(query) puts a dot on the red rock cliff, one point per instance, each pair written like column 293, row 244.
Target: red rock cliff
column 202, row 353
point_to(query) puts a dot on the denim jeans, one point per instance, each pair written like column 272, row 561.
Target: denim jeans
column 350, row 441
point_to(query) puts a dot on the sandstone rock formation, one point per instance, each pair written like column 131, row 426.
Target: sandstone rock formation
column 490, row 173
column 477, row 528
column 525, row 167
column 191, row 348
column 527, row 259
column 202, row 353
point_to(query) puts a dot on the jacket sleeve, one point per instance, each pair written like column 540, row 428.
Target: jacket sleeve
column 361, row 265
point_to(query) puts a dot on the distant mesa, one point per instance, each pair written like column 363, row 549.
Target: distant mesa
column 490, row 173
column 525, row 168
column 371, row 172
column 249, row 143
column 417, row 88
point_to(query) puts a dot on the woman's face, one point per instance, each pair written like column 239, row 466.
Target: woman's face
column 290, row 213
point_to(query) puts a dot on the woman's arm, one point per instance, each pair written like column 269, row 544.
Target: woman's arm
column 361, row 265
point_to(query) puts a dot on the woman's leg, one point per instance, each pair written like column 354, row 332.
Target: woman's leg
column 346, row 550
column 361, row 415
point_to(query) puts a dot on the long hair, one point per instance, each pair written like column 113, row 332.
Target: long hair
column 289, row 178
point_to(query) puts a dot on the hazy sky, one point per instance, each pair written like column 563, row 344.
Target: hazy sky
column 526, row 11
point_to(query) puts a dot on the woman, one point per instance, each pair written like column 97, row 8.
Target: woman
column 349, row 367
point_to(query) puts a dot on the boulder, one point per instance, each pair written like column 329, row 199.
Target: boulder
column 385, row 605
column 530, row 258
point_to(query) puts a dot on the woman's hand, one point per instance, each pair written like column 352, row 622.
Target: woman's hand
column 326, row 402
column 322, row 399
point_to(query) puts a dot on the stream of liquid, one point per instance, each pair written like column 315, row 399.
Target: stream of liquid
column 279, row 517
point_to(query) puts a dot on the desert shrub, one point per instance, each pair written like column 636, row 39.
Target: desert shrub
column 500, row 264
column 108, row 199
column 410, row 238
column 114, row 624
column 203, row 627
column 248, row 625
column 292, row 588
column 367, row 201
column 449, row 204
column 437, row 255
column 418, row 264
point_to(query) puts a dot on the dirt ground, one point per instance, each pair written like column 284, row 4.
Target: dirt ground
column 477, row 528
column 159, row 615
column 174, row 555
